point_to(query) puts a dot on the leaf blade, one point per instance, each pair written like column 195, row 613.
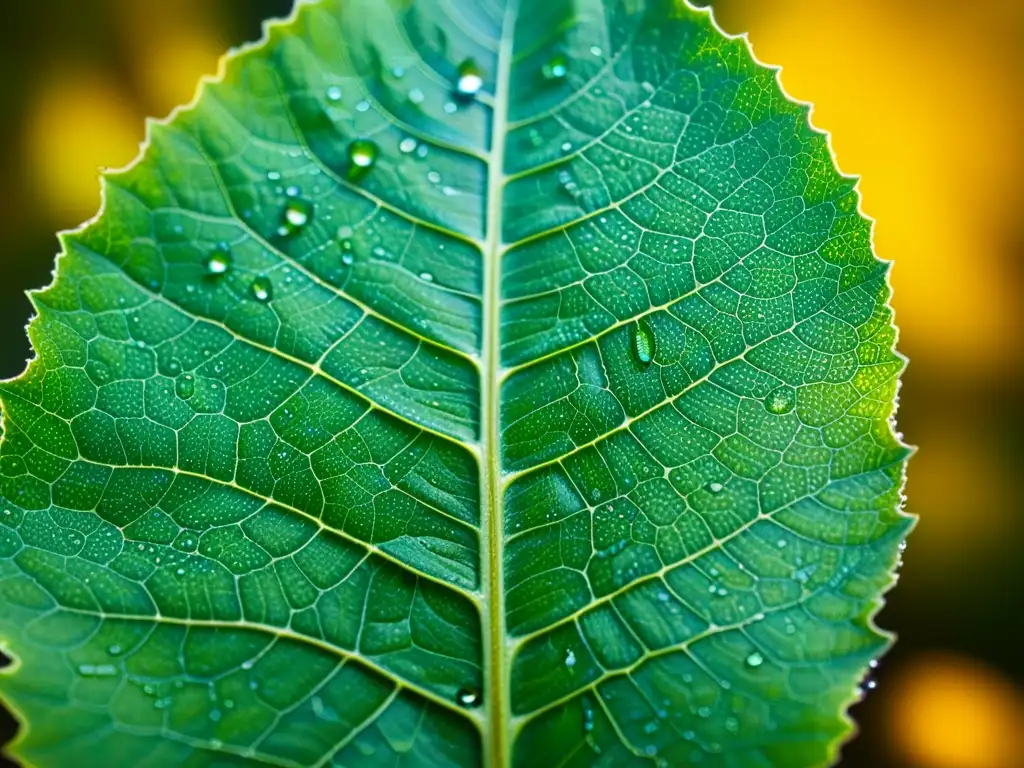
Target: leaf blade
column 582, row 433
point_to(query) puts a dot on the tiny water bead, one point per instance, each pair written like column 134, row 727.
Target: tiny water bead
column 261, row 289
column 570, row 658
column 643, row 342
column 407, row 145
column 97, row 670
column 716, row 487
column 556, row 68
column 334, row 93
column 755, row 660
column 185, row 386
column 296, row 215
column 467, row 697
column 470, row 79
column 781, row 400
column 362, row 155
column 219, row 260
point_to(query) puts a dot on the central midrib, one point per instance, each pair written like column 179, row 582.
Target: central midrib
column 497, row 738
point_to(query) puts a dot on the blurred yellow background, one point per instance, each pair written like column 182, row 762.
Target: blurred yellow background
column 923, row 100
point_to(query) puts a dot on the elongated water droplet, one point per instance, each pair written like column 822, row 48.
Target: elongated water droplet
column 261, row 289
column 570, row 658
column 416, row 96
column 297, row 213
column 643, row 341
column 97, row 670
column 362, row 154
column 470, row 79
column 556, row 68
column 781, row 400
column 185, row 386
column 467, row 697
column 755, row 659
column 219, row 260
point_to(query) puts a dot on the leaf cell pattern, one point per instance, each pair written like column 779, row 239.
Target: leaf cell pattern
column 458, row 383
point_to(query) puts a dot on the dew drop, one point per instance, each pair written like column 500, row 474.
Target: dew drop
column 362, row 154
column 451, row 107
column 570, row 658
column 261, row 289
column 407, row 145
column 556, row 68
column 97, row 670
column 416, row 96
column 114, row 650
column 643, row 342
column 595, row 50
column 426, row 277
column 185, row 386
column 715, row 487
column 296, row 215
column 467, row 697
column 781, row 400
column 755, row 659
column 334, row 93
column 219, row 260
column 470, row 79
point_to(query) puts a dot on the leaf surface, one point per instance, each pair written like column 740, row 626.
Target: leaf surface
column 458, row 383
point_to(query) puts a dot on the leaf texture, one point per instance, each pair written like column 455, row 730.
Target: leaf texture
column 458, row 382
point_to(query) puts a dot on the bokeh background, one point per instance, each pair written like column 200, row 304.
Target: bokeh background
column 924, row 100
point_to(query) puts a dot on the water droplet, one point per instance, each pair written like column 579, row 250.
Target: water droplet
column 715, row 487
column 467, row 697
column 595, row 50
column 434, row 177
column 334, row 93
column 185, row 386
column 781, row 400
column 556, row 68
column 755, row 659
column 566, row 147
column 643, row 341
column 363, row 106
column 416, row 96
column 219, row 260
column 426, row 277
column 570, row 658
column 362, row 154
column 97, row 670
column 273, row 176
column 398, row 72
column 470, row 79
column 450, row 107
column 114, row 650
column 260, row 288
column 296, row 215
column 407, row 145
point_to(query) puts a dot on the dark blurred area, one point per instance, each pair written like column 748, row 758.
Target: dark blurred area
column 924, row 101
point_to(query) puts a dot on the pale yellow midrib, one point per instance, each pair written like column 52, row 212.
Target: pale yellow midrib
column 497, row 746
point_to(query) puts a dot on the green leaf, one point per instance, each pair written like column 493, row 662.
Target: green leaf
column 455, row 383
